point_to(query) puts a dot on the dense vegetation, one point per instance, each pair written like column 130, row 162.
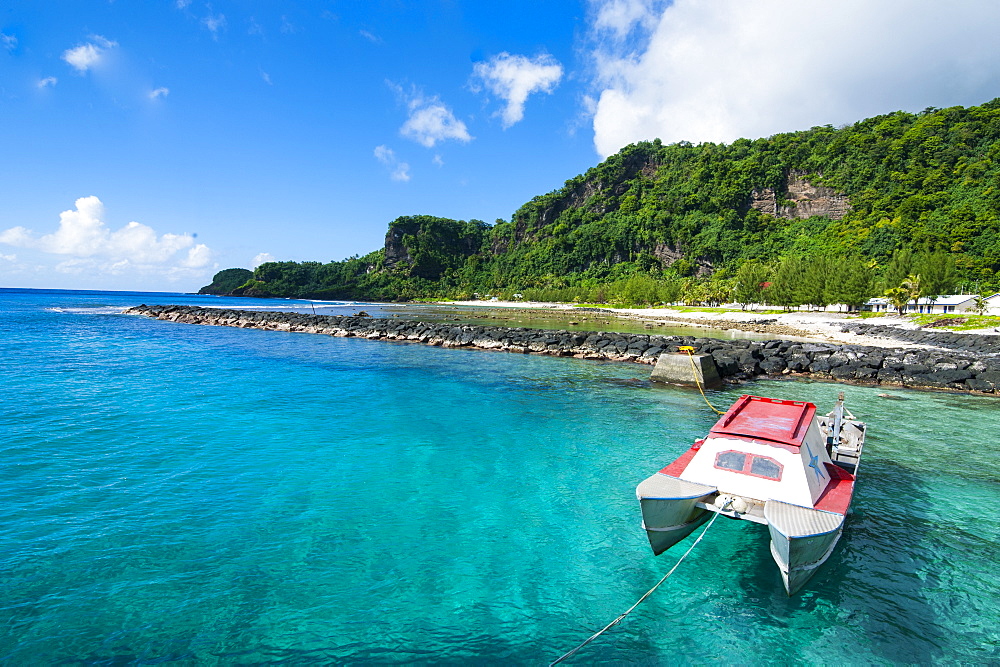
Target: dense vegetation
column 661, row 223
column 226, row 281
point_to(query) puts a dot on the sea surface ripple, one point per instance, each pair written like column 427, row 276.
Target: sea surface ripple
column 190, row 494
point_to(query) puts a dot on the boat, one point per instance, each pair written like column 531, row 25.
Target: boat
column 769, row 461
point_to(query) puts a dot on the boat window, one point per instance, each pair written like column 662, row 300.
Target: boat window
column 765, row 467
column 731, row 461
column 748, row 464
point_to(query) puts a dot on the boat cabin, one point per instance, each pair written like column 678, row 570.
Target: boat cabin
column 762, row 449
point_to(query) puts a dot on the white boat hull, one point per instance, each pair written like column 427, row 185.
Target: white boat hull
column 669, row 509
column 769, row 461
column 801, row 540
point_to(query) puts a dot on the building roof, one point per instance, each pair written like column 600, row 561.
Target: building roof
column 943, row 300
column 947, row 300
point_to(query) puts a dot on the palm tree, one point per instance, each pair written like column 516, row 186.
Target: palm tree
column 898, row 297
column 908, row 290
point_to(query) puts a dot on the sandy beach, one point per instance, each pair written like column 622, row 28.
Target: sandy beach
column 822, row 326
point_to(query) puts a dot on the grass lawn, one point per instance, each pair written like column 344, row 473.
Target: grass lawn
column 958, row 322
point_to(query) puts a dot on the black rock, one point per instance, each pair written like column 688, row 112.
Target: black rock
column 798, row 362
column 844, row 372
column 976, row 384
column 950, row 376
column 819, row 366
column 772, row 365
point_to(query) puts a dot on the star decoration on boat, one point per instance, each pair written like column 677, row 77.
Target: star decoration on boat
column 814, row 462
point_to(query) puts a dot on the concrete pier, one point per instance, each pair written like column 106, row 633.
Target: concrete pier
column 689, row 370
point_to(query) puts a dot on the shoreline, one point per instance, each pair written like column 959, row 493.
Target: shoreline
column 737, row 360
column 816, row 326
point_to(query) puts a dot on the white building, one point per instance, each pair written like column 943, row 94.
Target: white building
column 946, row 303
column 879, row 304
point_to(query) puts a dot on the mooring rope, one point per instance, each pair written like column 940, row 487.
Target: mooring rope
column 639, row 601
column 694, row 372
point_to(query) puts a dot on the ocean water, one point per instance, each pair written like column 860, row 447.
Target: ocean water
column 200, row 495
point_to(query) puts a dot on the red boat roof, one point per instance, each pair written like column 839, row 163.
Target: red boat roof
column 779, row 422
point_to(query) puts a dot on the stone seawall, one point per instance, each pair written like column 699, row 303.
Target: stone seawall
column 976, row 344
column 737, row 360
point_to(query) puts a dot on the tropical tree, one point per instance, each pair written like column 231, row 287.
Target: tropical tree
column 784, row 290
column 226, row 281
column 908, row 290
column 750, row 280
column 850, row 281
column 899, row 267
column 812, row 287
column 938, row 274
column 899, row 298
column 912, row 283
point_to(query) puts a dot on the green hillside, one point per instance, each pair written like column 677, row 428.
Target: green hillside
column 660, row 222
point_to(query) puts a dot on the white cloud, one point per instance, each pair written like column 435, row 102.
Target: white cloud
column 438, row 161
column 266, row 77
column 182, row 4
column 47, row 82
column 432, row 123
column 620, row 17
column 214, row 23
column 159, row 92
column 371, row 37
column 720, row 70
column 514, row 77
column 9, row 41
column 430, row 120
column 86, row 56
column 399, row 171
column 93, row 247
column 262, row 258
column 197, row 257
column 9, row 258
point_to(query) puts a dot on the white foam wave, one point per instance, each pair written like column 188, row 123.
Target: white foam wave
column 89, row 310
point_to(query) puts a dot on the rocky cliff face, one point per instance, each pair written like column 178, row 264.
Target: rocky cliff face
column 590, row 193
column 641, row 176
column 668, row 254
column 395, row 250
column 806, row 200
column 427, row 246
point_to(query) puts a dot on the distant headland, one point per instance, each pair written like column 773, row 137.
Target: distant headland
column 902, row 203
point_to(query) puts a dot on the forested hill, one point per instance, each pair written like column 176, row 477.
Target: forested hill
column 926, row 183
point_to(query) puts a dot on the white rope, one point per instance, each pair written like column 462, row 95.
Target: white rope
column 648, row 593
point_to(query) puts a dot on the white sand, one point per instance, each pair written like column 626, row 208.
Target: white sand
column 814, row 325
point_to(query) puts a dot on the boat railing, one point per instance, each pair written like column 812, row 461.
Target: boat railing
column 845, row 436
column 847, row 453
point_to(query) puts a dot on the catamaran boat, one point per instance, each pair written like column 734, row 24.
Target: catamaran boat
column 771, row 462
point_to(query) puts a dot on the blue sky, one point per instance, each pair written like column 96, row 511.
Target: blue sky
column 148, row 144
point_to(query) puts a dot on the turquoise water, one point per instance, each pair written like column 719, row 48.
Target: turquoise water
column 176, row 493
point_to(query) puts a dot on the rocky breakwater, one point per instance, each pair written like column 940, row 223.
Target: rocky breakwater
column 736, row 360
column 975, row 344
